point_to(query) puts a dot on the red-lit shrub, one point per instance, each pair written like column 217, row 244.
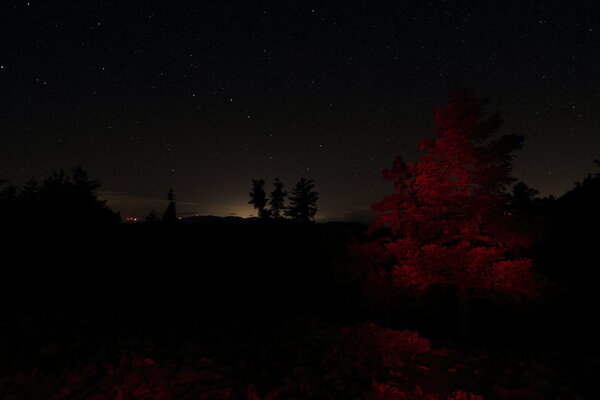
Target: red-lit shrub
column 302, row 359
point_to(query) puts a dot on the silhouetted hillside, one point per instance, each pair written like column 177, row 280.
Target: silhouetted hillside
column 213, row 265
column 569, row 245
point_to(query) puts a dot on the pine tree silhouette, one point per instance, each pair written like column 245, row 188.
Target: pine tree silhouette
column 84, row 197
column 277, row 200
column 30, row 192
column 523, row 201
column 61, row 198
column 590, row 178
column 303, row 201
column 9, row 192
column 258, row 198
column 170, row 214
column 72, row 199
column 9, row 206
column 152, row 216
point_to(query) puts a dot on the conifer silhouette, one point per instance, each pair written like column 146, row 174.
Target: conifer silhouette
column 170, row 214
column 277, row 200
column 63, row 198
column 152, row 216
column 303, row 201
column 523, row 200
column 258, row 198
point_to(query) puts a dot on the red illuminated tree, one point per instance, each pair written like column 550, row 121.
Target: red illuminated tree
column 445, row 216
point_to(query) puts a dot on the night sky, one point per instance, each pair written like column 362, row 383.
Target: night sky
column 205, row 96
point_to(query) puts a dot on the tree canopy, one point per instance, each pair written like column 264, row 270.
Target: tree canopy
column 445, row 216
column 258, row 198
column 170, row 214
column 303, row 201
column 65, row 198
column 277, row 200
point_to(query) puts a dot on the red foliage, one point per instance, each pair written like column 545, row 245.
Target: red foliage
column 388, row 346
column 302, row 359
column 445, row 215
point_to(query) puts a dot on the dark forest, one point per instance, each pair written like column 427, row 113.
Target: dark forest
column 299, row 200
column 467, row 285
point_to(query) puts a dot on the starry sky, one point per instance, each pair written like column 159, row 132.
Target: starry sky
column 205, row 96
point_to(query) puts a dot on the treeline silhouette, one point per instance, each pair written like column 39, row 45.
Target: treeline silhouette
column 67, row 246
column 169, row 215
column 61, row 198
column 565, row 230
column 564, row 235
column 302, row 200
column 248, row 268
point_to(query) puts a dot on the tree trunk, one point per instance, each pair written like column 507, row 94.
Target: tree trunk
column 464, row 315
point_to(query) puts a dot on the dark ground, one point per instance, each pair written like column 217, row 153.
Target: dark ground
column 249, row 309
